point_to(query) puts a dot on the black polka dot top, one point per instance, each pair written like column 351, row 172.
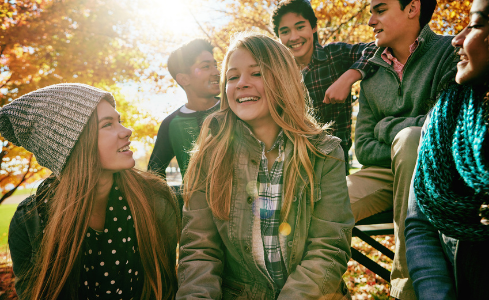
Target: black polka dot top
column 111, row 266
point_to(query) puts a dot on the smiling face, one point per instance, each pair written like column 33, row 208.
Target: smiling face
column 203, row 77
column 389, row 22
column 296, row 33
column 245, row 89
column 473, row 42
column 113, row 140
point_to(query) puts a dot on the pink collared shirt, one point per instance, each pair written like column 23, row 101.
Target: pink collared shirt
column 391, row 60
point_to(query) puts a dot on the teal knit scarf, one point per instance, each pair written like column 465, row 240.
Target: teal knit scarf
column 452, row 178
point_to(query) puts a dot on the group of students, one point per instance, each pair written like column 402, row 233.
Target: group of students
column 268, row 210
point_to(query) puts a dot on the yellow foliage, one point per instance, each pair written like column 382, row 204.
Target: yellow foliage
column 338, row 20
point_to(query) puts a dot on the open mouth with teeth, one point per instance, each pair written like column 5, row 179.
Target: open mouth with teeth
column 247, row 99
column 296, row 45
column 214, row 82
column 124, row 149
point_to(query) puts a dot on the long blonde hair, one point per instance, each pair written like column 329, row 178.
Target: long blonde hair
column 58, row 261
column 211, row 166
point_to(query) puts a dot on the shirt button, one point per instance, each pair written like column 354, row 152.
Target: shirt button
column 289, row 244
column 250, row 199
column 293, row 256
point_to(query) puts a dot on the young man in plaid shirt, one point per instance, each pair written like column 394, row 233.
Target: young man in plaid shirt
column 328, row 71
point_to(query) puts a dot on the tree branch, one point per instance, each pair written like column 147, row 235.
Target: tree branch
column 334, row 30
column 24, row 177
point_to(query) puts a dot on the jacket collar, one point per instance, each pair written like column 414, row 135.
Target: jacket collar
column 425, row 38
column 324, row 142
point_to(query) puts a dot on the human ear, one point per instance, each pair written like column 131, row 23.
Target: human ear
column 414, row 9
column 183, row 79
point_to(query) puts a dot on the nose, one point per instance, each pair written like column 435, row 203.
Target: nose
column 125, row 132
column 372, row 21
column 243, row 82
column 293, row 35
column 458, row 40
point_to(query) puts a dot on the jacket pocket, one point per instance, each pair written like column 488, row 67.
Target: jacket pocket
column 231, row 290
column 317, row 193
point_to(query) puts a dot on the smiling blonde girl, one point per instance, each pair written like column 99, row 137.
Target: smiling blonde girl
column 266, row 213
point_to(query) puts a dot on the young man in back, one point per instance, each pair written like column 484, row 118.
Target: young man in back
column 194, row 68
column 414, row 64
column 328, row 71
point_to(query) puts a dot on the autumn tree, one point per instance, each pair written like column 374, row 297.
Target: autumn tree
column 67, row 41
column 44, row 42
column 338, row 20
column 18, row 166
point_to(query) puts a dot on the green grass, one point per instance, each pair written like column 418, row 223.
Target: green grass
column 24, row 191
column 6, row 213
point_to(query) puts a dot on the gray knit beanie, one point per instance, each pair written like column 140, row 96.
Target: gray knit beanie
column 48, row 121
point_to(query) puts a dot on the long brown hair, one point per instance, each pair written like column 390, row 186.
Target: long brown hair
column 58, row 262
column 210, row 167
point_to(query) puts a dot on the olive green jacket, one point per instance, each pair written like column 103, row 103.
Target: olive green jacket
column 25, row 237
column 218, row 258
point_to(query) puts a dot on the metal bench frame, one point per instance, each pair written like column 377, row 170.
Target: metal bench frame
column 380, row 218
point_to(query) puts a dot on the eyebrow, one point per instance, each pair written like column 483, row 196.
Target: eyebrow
column 250, row 66
column 298, row 23
column 108, row 118
column 483, row 14
column 207, row 61
column 377, row 6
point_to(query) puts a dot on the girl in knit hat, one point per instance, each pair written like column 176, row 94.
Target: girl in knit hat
column 97, row 228
column 266, row 212
column 447, row 228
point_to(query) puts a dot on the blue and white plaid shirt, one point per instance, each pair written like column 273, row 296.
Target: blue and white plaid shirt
column 270, row 204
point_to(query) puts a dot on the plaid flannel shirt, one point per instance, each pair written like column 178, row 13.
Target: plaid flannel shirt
column 270, row 204
column 328, row 63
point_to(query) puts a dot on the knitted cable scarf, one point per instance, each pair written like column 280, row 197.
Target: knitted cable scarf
column 452, row 178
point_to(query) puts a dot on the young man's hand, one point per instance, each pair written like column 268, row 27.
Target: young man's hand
column 341, row 88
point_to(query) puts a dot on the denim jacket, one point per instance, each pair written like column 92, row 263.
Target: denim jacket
column 442, row 267
column 217, row 259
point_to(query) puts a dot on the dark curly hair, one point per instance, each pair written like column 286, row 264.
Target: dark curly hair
column 301, row 7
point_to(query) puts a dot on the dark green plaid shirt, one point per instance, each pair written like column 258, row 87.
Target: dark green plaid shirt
column 270, row 204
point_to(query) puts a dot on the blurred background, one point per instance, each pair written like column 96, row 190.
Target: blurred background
column 122, row 46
